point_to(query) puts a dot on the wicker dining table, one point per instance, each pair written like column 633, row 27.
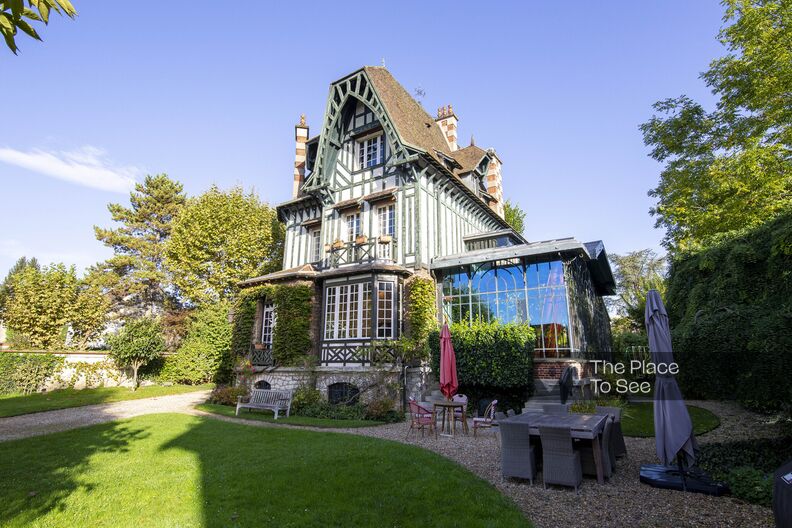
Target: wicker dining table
column 583, row 426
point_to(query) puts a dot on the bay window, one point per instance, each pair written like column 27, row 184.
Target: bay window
column 349, row 309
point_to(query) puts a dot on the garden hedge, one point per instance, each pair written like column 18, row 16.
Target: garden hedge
column 26, row 373
column 730, row 308
column 494, row 361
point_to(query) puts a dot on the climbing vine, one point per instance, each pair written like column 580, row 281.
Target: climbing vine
column 420, row 317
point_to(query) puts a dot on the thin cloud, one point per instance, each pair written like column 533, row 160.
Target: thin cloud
column 88, row 166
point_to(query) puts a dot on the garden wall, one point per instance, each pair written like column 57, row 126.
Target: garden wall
column 77, row 369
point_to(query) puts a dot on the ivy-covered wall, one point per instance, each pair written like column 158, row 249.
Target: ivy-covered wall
column 730, row 310
column 291, row 342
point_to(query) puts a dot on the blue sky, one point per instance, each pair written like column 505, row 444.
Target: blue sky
column 209, row 92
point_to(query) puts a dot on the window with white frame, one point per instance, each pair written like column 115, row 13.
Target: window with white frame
column 348, row 311
column 353, row 226
column 385, row 299
column 316, row 245
column 371, row 151
column 387, row 220
column 268, row 319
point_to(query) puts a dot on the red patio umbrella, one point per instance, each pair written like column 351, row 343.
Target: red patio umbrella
column 448, row 371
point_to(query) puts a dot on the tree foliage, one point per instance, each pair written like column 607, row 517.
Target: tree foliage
column 205, row 353
column 16, row 16
column 220, row 239
column 136, row 274
column 515, row 216
column 48, row 304
column 636, row 273
column 729, row 168
column 137, row 343
column 6, row 289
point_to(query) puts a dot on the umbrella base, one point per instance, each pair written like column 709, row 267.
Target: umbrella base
column 670, row 477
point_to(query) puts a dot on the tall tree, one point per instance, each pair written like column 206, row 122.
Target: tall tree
column 514, row 216
column 731, row 167
column 220, row 239
column 142, row 281
column 636, row 273
column 6, row 288
column 15, row 16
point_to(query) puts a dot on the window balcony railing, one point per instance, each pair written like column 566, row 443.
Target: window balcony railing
column 358, row 354
column 261, row 355
column 362, row 250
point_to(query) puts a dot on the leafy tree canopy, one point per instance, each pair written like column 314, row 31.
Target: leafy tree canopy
column 636, row 273
column 220, row 239
column 5, row 287
column 731, row 167
column 15, row 16
column 137, row 343
column 49, row 305
column 514, row 216
column 136, row 274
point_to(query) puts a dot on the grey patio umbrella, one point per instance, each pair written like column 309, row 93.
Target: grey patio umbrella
column 673, row 428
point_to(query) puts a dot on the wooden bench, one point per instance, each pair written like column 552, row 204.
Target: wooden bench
column 267, row 400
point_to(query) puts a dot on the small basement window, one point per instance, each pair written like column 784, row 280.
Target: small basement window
column 263, row 384
column 343, row 394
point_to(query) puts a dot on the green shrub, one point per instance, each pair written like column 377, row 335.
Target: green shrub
column 494, row 361
column 730, row 311
column 137, row 343
column 382, row 410
column 205, row 353
column 305, row 397
column 420, row 307
column 751, row 485
column 746, row 465
column 227, row 395
column 27, row 373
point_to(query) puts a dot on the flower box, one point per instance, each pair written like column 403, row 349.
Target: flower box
column 338, row 244
column 259, row 346
column 361, row 239
column 385, row 239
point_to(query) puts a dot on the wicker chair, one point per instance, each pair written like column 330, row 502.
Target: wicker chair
column 421, row 418
column 619, row 448
column 517, row 454
column 488, row 420
column 586, row 450
column 560, row 461
column 555, row 408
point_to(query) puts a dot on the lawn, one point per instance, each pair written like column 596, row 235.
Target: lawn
column 179, row 470
column 638, row 420
column 268, row 416
column 15, row 404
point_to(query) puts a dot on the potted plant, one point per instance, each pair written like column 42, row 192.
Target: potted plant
column 385, row 239
column 338, row 244
column 259, row 346
column 361, row 239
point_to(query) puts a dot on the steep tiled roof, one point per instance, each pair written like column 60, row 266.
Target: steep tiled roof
column 414, row 125
column 468, row 157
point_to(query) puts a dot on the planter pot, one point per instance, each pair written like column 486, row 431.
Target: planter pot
column 361, row 239
column 338, row 244
column 259, row 346
column 385, row 239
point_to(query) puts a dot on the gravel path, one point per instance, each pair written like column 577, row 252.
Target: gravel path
column 622, row 501
column 62, row 419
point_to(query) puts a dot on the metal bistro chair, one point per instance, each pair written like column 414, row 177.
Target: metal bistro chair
column 517, row 455
column 560, row 461
column 488, row 420
column 586, row 450
column 555, row 408
column 461, row 398
column 618, row 447
column 421, row 418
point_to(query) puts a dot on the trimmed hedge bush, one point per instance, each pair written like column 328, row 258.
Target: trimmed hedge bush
column 494, row 361
column 730, row 308
column 27, row 373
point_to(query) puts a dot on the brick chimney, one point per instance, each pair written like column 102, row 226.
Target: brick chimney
column 495, row 183
column 447, row 121
column 300, row 137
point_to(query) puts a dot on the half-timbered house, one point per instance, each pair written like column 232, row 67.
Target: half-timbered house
column 383, row 191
